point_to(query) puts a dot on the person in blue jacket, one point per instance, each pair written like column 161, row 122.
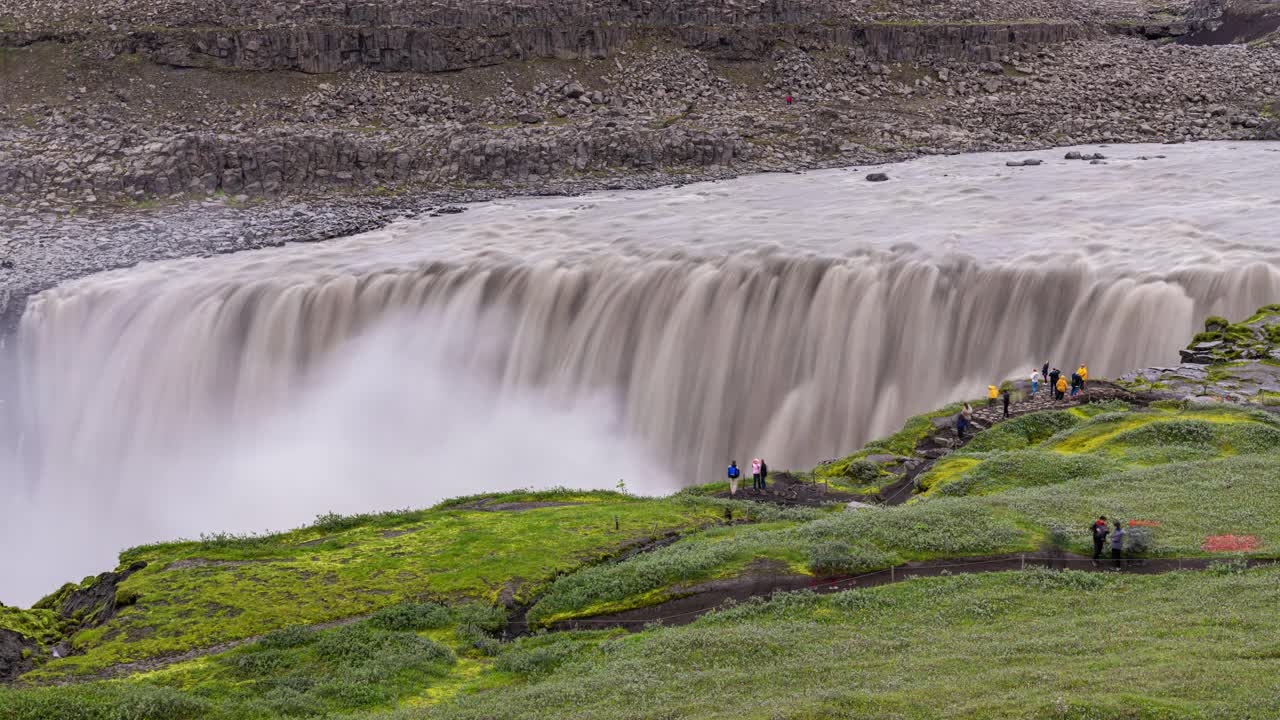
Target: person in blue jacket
column 734, row 474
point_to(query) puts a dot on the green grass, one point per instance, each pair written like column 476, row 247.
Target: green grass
column 850, row 473
column 1033, row 644
column 399, row 653
column 1190, row 500
column 223, row 588
column 840, row 544
column 43, row 626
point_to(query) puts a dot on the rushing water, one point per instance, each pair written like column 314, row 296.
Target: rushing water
column 642, row 336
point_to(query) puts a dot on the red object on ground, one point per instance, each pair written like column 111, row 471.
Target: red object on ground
column 1230, row 543
column 1144, row 523
column 789, row 99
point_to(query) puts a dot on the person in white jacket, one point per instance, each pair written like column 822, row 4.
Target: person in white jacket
column 1035, row 381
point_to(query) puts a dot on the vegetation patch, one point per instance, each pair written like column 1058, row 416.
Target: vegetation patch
column 1045, row 638
column 343, row 567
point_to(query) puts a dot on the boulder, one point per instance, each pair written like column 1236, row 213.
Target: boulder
column 877, row 177
column 1191, row 357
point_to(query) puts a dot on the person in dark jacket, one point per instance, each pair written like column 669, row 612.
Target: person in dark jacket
column 1005, row 397
column 764, row 474
column 1117, row 544
column 963, row 418
column 1044, row 372
column 1053, row 378
column 1099, row 530
column 1076, row 383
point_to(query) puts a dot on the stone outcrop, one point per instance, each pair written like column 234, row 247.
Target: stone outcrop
column 205, row 163
column 16, row 651
column 404, row 49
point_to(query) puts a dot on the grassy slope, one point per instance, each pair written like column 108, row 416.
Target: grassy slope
column 196, row 594
column 1197, row 471
column 1033, row 644
column 1012, row 645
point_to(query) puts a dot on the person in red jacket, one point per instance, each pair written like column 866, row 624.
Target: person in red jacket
column 1100, row 532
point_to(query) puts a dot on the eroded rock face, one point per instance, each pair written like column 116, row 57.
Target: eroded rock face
column 15, row 654
column 98, row 603
column 401, row 49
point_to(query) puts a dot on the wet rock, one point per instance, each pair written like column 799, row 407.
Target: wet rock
column 877, row 177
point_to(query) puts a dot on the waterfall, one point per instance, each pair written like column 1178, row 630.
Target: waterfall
column 793, row 359
column 642, row 337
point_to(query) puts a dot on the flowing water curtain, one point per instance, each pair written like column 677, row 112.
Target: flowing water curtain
column 794, row 358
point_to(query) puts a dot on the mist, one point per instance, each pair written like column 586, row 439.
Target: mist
column 396, row 418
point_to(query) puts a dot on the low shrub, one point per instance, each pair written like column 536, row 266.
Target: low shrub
column 829, row 559
column 1023, row 432
column 539, row 655
column 1027, row 468
column 939, row 526
column 412, row 617
column 1171, row 432
column 290, row 637
column 101, row 701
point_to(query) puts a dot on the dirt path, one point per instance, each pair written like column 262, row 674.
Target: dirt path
column 702, row 599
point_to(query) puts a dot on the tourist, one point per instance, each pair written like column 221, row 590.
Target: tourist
column 1099, row 530
column 1076, row 382
column 755, row 475
column 964, row 420
column 1044, row 370
column 1117, row 543
column 790, row 100
column 1053, row 378
column 734, row 474
column 1035, row 381
column 1083, row 372
column 1005, row 396
column 1061, row 387
column 992, row 393
column 764, row 474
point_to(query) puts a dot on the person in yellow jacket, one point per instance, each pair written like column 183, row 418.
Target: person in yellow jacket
column 1083, row 372
column 1062, row 387
column 992, row 394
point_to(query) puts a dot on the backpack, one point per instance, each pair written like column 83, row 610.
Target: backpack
column 733, row 471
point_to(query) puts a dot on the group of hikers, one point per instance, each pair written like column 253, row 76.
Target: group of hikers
column 759, row 475
column 1057, row 381
column 1054, row 380
column 1100, row 533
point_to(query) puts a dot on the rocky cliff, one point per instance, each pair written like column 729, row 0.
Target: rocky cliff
column 125, row 106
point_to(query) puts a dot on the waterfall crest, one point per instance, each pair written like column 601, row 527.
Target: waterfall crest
column 795, row 359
